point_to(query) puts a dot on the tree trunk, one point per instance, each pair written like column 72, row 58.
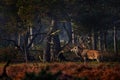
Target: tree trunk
column 25, row 49
column 30, row 37
column 104, row 40
column 115, row 41
column 93, row 38
column 73, row 37
column 25, row 52
column 99, row 40
column 46, row 55
column 19, row 37
column 57, row 46
column 56, row 41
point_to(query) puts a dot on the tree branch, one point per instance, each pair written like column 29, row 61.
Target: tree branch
column 14, row 42
column 4, row 75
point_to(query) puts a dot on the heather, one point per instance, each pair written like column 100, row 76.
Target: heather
column 64, row 71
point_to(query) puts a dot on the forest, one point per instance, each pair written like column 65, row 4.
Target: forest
column 37, row 39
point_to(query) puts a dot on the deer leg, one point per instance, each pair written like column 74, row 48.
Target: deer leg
column 98, row 60
column 85, row 59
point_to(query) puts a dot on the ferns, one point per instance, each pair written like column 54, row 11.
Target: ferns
column 65, row 71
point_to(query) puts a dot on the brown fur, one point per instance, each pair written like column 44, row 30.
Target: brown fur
column 86, row 53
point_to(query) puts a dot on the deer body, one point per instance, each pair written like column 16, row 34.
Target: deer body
column 86, row 53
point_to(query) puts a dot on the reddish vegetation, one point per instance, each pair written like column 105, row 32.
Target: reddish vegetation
column 71, row 70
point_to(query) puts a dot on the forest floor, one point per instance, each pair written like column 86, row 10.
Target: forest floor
column 64, row 71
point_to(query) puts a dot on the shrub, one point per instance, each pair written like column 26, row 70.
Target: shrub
column 42, row 75
column 10, row 54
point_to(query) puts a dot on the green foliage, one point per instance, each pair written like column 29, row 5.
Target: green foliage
column 83, row 12
column 25, row 10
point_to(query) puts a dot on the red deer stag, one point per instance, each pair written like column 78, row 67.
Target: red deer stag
column 86, row 53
